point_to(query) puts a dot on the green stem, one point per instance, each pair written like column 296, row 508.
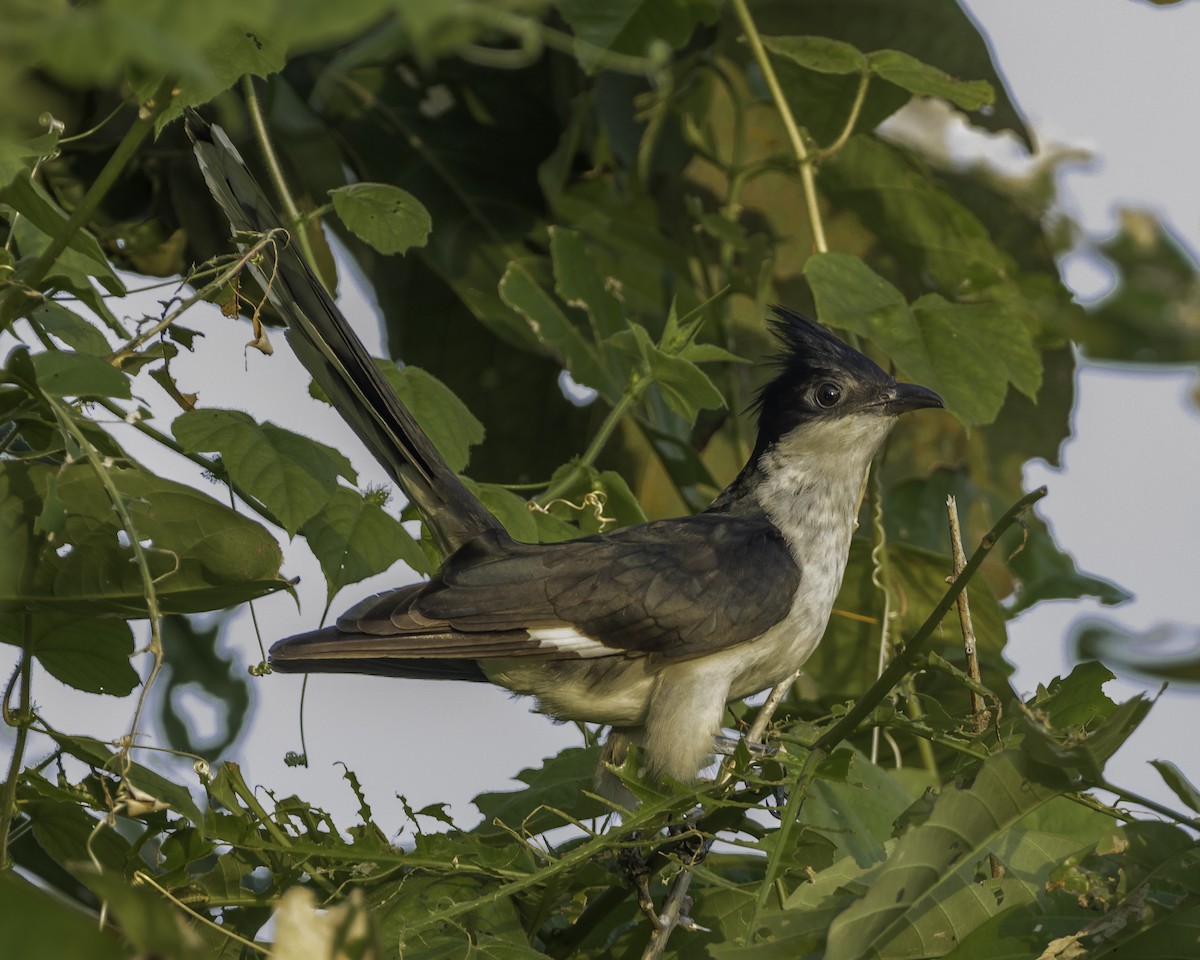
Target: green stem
column 632, row 392
column 8, row 804
column 68, row 426
column 791, row 813
column 911, row 651
column 860, row 97
column 807, row 178
column 1149, row 804
column 16, row 301
column 295, row 223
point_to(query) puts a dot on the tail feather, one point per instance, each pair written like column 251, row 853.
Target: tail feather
column 332, row 353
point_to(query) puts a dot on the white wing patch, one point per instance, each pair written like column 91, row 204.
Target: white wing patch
column 569, row 640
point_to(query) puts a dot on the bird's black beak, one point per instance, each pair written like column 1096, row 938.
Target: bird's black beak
column 904, row 397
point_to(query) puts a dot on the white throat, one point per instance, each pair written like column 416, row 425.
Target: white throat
column 812, row 480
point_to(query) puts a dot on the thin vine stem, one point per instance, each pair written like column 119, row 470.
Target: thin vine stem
column 22, row 719
column 68, row 425
column 803, row 157
column 295, row 223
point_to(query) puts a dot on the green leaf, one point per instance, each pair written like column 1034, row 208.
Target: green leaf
column 389, row 219
column 509, row 509
column 236, row 48
column 1045, row 571
column 1061, row 738
column 354, row 538
column 936, row 239
column 630, row 26
column 79, row 375
column 72, row 270
column 686, row 388
column 905, row 70
column 291, row 474
column 102, row 757
column 13, row 155
column 1180, row 785
column 202, row 554
column 1167, row 652
column 149, row 921
column 86, row 653
column 966, row 352
column 65, row 832
column 553, row 329
column 580, row 284
column 70, row 328
column 908, row 900
column 822, row 54
column 39, row 924
column 446, row 419
column 551, row 791
column 856, row 812
column 29, row 198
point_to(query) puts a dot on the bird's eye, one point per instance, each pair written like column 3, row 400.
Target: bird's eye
column 828, row 394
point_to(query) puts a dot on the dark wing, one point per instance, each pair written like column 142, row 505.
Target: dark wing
column 671, row 589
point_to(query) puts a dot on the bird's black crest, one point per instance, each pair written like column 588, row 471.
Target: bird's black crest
column 810, row 350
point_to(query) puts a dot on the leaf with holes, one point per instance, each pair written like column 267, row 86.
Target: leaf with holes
column 389, row 219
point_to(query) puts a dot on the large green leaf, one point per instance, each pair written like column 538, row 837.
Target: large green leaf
column 937, row 239
column 442, row 415
column 925, row 894
column 87, row 653
column 580, row 284
column 968, row 353
column 78, row 375
column 521, row 290
column 293, row 475
column 202, row 555
column 38, row 926
column 30, row 199
column 354, row 538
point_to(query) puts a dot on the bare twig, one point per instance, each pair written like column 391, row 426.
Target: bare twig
column 979, row 711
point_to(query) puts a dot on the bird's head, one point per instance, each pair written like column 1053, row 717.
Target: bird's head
column 827, row 394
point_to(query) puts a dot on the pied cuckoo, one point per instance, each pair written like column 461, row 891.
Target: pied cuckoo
column 651, row 629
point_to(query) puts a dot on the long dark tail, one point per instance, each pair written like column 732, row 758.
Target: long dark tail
column 331, row 351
